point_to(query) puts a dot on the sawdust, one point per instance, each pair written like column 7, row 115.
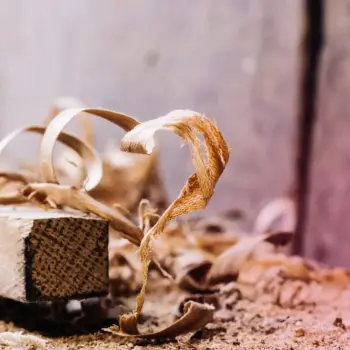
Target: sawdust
column 241, row 324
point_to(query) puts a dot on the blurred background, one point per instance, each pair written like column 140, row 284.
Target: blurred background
column 256, row 67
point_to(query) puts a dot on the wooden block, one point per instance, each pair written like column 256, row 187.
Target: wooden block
column 50, row 255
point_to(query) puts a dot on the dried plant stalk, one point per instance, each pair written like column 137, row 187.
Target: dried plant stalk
column 199, row 187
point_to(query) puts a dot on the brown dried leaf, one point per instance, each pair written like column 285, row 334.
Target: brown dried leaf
column 195, row 317
column 227, row 266
column 58, row 124
column 200, row 186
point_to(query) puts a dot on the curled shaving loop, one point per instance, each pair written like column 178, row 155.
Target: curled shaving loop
column 62, row 103
column 198, row 189
column 57, row 125
column 92, row 161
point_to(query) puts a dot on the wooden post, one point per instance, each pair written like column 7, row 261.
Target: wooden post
column 50, row 255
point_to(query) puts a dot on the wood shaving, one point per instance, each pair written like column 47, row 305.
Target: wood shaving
column 199, row 187
column 18, row 340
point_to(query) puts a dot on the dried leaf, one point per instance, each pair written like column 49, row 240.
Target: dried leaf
column 227, row 266
column 56, row 126
column 91, row 159
column 199, row 187
column 195, row 317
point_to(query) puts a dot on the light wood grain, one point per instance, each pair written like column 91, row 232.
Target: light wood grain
column 52, row 255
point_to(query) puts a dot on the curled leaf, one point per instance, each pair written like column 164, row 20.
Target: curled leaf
column 55, row 128
column 91, row 159
column 61, row 195
column 228, row 265
column 195, row 317
column 199, row 187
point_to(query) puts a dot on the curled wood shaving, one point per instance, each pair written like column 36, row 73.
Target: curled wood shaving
column 58, row 124
column 91, row 159
column 278, row 215
column 66, row 102
column 18, row 340
column 128, row 174
column 62, row 195
column 191, row 268
column 199, row 187
column 12, row 198
column 227, row 266
column 195, row 317
column 23, row 177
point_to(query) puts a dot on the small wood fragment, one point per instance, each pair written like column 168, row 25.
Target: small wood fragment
column 52, row 254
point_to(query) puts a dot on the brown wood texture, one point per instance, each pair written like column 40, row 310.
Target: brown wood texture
column 327, row 234
column 50, row 255
column 237, row 61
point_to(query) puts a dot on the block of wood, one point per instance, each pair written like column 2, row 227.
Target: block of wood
column 52, row 255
